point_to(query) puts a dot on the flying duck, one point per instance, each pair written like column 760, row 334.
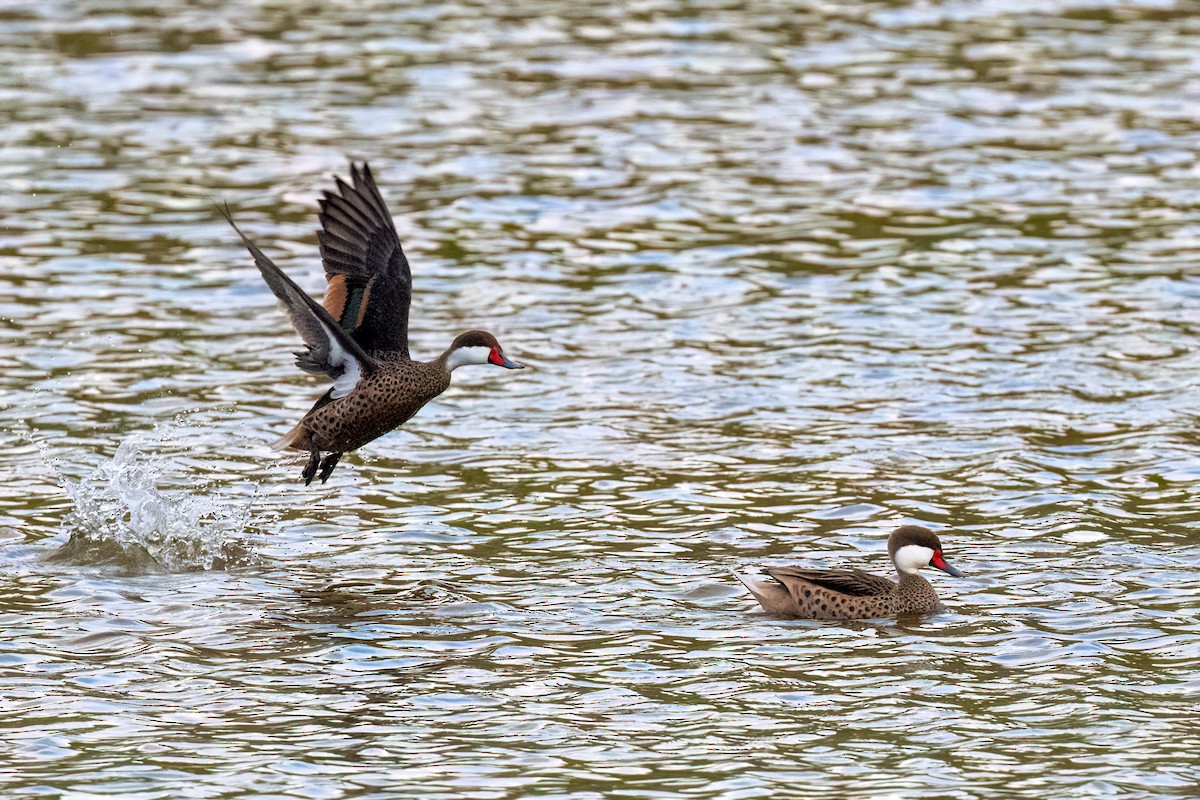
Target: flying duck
column 359, row 336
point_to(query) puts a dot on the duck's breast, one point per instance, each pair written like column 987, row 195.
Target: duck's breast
column 380, row 403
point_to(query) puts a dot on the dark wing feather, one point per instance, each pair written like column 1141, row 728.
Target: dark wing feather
column 329, row 349
column 370, row 284
column 852, row 582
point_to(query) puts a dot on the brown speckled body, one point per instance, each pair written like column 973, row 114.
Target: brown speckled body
column 800, row 596
column 379, row 403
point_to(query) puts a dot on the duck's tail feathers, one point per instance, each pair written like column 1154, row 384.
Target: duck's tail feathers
column 289, row 441
column 750, row 578
column 773, row 597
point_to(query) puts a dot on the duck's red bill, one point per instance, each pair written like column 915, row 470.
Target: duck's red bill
column 940, row 563
column 501, row 360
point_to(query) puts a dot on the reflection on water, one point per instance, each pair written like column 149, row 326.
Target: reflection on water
column 787, row 277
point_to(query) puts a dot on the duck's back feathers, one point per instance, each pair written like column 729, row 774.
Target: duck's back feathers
column 855, row 582
column 825, row 594
column 370, row 284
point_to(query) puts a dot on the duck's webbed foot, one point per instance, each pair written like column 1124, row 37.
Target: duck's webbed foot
column 310, row 469
column 328, row 464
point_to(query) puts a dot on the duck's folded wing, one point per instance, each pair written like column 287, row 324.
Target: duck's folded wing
column 329, row 349
column 370, row 284
column 852, row 582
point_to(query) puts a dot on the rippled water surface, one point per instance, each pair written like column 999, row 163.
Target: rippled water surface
column 787, row 275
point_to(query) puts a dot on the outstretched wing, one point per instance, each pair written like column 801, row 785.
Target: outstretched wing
column 370, row 284
column 852, row 582
column 329, row 349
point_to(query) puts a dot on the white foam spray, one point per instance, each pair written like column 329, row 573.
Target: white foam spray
column 122, row 517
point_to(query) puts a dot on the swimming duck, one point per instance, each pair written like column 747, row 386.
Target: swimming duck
column 855, row 594
column 359, row 336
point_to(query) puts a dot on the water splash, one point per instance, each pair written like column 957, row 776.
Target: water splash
column 122, row 518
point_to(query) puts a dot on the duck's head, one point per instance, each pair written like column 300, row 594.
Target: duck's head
column 913, row 547
column 478, row 347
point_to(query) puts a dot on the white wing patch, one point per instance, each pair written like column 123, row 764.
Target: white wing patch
column 351, row 370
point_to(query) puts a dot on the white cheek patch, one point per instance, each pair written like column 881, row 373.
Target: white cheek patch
column 912, row 557
column 467, row 355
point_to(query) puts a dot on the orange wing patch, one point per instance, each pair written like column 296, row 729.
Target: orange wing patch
column 335, row 296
